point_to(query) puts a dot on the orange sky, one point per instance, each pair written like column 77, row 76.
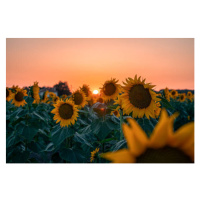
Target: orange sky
column 163, row 62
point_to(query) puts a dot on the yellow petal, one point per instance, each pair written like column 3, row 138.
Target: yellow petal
column 159, row 137
column 121, row 156
column 136, row 138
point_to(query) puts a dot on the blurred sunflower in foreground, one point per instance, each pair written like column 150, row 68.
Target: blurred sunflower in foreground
column 8, row 94
column 79, row 98
column 66, row 112
column 139, row 98
column 163, row 146
column 110, row 89
column 18, row 97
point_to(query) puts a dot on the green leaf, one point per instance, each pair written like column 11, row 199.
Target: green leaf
column 29, row 132
column 72, row 155
column 60, row 134
column 50, row 147
column 20, row 157
column 80, row 138
column 29, row 100
column 38, row 116
column 166, row 103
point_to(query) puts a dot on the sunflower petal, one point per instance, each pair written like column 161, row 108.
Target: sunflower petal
column 121, row 156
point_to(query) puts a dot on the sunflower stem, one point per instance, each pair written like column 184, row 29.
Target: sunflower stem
column 121, row 121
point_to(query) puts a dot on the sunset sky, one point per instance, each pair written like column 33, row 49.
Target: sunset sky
column 163, row 62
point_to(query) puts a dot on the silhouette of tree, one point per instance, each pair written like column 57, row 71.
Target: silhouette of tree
column 62, row 88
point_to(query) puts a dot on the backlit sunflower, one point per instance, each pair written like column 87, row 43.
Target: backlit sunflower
column 86, row 89
column 8, row 94
column 18, row 97
column 139, row 98
column 173, row 94
column 36, row 91
column 163, row 146
column 79, row 98
column 110, row 89
column 100, row 100
column 66, row 112
column 116, row 112
column 182, row 97
column 94, row 154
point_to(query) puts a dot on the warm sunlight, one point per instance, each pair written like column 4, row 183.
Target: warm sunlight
column 95, row 92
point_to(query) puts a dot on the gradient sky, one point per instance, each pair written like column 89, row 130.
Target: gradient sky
column 163, row 62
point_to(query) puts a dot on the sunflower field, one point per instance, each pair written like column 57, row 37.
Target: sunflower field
column 129, row 123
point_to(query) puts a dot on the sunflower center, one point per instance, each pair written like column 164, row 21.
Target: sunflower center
column 109, row 89
column 163, row 155
column 115, row 112
column 139, row 96
column 100, row 100
column 66, row 111
column 182, row 97
column 78, row 98
column 7, row 93
column 19, row 96
column 173, row 93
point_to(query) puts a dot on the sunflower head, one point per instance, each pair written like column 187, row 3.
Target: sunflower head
column 174, row 94
column 52, row 94
column 8, row 94
column 14, row 88
column 64, row 96
column 94, row 154
column 110, row 89
column 116, row 112
column 139, row 98
column 86, row 89
column 163, row 146
column 79, row 98
column 190, row 96
column 66, row 112
column 100, row 100
column 45, row 97
column 18, row 97
column 182, row 97
column 158, row 109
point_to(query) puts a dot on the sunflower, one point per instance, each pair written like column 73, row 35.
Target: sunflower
column 64, row 96
column 167, row 94
column 182, row 97
column 138, row 98
column 8, row 94
column 116, row 112
column 94, row 154
column 45, row 98
column 52, row 94
column 163, row 146
column 174, row 94
column 18, row 97
column 14, row 88
column 86, row 89
column 100, row 100
column 158, row 109
column 118, row 101
column 79, row 98
column 190, row 96
column 66, row 112
column 110, row 89
column 36, row 91
column 55, row 99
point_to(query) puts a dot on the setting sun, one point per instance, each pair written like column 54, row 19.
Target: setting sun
column 95, row 92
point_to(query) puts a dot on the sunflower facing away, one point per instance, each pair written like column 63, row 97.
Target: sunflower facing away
column 18, row 97
column 163, row 146
column 94, row 154
column 45, row 98
column 139, row 98
column 79, row 98
column 86, row 89
column 8, row 94
column 66, row 112
column 158, row 109
column 167, row 94
column 174, row 94
column 110, row 89
column 36, row 91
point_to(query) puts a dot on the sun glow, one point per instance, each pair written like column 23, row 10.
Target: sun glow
column 95, row 92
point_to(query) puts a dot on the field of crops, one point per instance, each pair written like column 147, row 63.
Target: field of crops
column 129, row 123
